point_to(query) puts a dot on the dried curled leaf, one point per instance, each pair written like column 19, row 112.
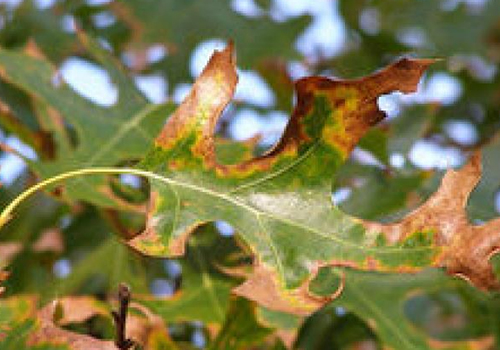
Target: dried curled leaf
column 8, row 251
column 23, row 326
column 280, row 202
column 49, row 319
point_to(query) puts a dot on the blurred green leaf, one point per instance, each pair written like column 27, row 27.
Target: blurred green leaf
column 241, row 329
column 382, row 301
column 181, row 26
column 105, row 136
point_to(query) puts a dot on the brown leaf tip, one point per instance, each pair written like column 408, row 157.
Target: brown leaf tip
column 406, row 72
column 211, row 92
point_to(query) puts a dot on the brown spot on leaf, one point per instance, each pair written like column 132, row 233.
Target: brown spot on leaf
column 263, row 288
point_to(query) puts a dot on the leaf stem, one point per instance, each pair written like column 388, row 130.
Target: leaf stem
column 6, row 213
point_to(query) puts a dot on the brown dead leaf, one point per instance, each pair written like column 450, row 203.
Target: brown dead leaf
column 50, row 240
column 48, row 331
column 78, row 309
column 143, row 327
column 8, row 250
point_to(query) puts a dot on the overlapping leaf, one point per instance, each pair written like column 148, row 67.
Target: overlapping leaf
column 445, row 28
column 204, row 290
column 28, row 22
column 105, row 136
column 385, row 309
column 241, row 329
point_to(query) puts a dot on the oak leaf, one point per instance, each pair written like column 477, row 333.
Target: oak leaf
column 105, row 136
column 280, row 204
column 47, row 329
column 28, row 328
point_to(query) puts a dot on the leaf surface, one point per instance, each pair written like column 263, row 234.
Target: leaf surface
column 383, row 308
column 279, row 203
column 105, row 136
column 465, row 249
column 241, row 329
column 204, row 290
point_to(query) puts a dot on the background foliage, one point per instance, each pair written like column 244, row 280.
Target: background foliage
column 65, row 243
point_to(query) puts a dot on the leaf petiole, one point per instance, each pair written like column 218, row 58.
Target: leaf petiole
column 6, row 213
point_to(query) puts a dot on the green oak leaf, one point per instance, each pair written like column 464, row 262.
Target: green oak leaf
column 104, row 136
column 28, row 22
column 382, row 300
column 280, row 202
column 391, row 190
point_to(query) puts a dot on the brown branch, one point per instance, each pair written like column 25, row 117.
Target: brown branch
column 120, row 318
